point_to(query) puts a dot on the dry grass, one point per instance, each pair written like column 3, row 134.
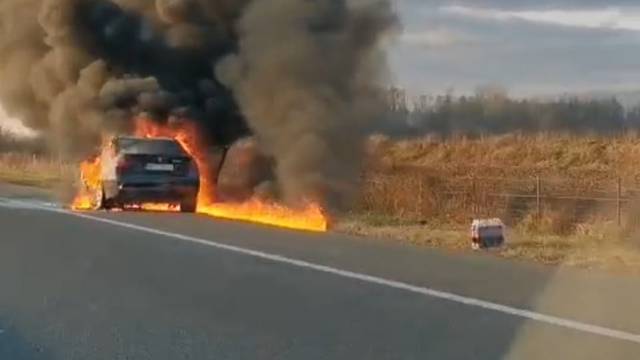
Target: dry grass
column 455, row 179
column 595, row 246
column 436, row 186
column 433, row 235
column 516, row 155
column 32, row 170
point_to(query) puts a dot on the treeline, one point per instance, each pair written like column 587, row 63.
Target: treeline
column 492, row 111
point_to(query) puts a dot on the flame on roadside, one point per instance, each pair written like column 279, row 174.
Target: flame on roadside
column 310, row 217
column 91, row 180
column 159, row 207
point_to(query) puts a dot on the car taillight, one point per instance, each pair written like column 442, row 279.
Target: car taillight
column 124, row 164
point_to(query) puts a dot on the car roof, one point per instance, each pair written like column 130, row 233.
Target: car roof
column 143, row 138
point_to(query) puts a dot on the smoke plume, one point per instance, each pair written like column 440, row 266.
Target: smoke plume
column 306, row 76
column 303, row 76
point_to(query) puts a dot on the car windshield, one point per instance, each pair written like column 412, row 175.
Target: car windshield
column 149, row 146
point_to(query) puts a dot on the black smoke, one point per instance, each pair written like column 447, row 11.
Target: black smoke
column 303, row 76
column 178, row 54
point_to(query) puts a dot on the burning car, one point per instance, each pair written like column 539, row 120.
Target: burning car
column 163, row 166
column 136, row 170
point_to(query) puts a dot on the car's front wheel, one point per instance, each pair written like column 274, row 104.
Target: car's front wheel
column 188, row 205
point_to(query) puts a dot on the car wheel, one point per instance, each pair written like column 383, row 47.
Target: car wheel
column 188, row 205
column 109, row 204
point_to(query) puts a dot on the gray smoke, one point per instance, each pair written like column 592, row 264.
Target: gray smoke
column 307, row 78
column 301, row 75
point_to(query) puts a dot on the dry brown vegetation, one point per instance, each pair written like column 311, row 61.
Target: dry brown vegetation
column 25, row 161
column 568, row 179
column 513, row 155
column 425, row 191
column 35, row 170
column 594, row 246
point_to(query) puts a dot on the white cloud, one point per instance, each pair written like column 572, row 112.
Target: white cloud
column 434, row 38
column 606, row 18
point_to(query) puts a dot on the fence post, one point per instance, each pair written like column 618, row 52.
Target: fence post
column 538, row 199
column 474, row 196
column 420, row 196
column 619, row 202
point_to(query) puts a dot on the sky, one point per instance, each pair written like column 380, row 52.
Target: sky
column 531, row 47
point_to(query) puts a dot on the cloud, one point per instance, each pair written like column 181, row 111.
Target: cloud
column 435, row 38
column 529, row 4
column 533, row 47
column 606, row 18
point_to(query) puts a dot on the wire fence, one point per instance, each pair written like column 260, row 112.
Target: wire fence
column 563, row 201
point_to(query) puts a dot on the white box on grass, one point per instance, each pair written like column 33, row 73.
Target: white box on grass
column 487, row 233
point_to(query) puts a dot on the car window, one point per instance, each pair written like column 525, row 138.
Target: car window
column 151, row 146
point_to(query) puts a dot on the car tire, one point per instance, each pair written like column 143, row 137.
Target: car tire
column 188, row 205
column 109, row 204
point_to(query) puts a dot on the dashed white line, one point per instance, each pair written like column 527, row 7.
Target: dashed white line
column 526, row 314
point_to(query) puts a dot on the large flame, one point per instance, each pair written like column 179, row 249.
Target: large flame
column 254, row 210
column 311, row 217
column 91, row 178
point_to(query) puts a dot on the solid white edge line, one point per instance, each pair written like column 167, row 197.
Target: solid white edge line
column 526, row 314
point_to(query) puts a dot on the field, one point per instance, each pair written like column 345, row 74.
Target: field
column 558, row 181
column 567, row 200
column 33, row 170
column 516, row 155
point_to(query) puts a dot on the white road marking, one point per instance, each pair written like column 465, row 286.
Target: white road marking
column 526, row 314
column 30, row 204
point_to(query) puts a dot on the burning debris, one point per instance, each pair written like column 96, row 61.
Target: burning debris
column 302, row 76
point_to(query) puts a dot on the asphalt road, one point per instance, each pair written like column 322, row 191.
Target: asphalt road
column 173, row 286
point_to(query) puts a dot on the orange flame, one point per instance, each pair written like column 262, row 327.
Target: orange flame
column 187, row 134
column 159, row 207
column 310, row 218
column 91, row 178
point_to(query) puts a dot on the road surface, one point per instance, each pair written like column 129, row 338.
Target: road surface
column 174, row 286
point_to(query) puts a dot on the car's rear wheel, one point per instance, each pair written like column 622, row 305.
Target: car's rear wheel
column 188, row 205
column 109, row 204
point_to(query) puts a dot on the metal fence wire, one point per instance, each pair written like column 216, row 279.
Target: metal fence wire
column 514, row 200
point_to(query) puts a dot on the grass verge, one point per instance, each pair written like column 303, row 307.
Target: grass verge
column 595, row 246
column 29, row 170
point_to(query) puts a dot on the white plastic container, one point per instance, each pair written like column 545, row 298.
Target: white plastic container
column 487, row 233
